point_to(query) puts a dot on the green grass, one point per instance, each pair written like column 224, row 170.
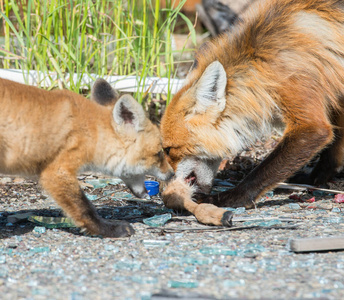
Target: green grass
column 90, row 37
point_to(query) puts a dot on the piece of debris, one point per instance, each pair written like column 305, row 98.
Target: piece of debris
column 306, row 187
column 39, row 229
column 317, row 244
column 91, row 197
column 155, row 243
column 52, row 222
column 218, row 251
column 263, row 224
column 339, row 198
column 169, row 295
column 294, row 206
column 152, row 187
column 18, row 217
column 157, row 221
column 5, row 180
column 311, row 200
column 182, row 284
column 101, row 183
column 219, row 229
column 295, row 197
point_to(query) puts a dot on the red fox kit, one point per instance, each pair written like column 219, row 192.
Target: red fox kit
column 55, row 134
column 283, row 63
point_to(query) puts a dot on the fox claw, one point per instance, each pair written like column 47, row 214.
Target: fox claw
column 227, row 219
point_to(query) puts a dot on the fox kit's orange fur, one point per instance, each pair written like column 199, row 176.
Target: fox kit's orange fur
column 55, row 134
column 284, row 63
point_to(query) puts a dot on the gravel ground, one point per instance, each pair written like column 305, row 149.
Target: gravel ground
column 181, row 259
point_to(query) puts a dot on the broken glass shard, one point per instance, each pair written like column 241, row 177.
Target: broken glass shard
column 182, row 284
column 157, row 221
column 294, row 206
column 39, row 229
column 218, row 251
column 52, row 222
column 91, row 197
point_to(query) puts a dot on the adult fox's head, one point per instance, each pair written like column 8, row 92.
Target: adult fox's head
column 135, row 149
column 190, row 126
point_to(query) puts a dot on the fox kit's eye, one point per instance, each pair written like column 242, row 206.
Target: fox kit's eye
column 167, row 150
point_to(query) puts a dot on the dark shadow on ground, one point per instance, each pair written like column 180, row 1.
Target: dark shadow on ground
column 25, row 226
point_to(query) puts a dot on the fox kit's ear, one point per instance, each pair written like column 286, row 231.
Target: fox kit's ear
column 210, row 89
column 128, row 111
column 103, row 93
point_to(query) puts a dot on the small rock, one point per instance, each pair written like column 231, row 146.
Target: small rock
column 18, row 180
column 5, row 180
column 326, row 206
column 294, row 206
column 39, row 229
column 12, row 245
column 18, row 217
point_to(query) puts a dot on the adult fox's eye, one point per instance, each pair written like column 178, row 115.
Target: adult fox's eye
column 167, row 150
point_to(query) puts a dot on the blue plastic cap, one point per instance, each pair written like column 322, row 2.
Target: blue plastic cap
column 152, row 187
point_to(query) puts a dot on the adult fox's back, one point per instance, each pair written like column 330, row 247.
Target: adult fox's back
column 283, row 62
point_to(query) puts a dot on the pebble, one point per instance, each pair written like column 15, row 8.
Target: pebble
column 295, row 206
column 39, row 229
column 5, row 180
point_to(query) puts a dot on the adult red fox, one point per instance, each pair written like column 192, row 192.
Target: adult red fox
column 55, row 134
column 283, row 63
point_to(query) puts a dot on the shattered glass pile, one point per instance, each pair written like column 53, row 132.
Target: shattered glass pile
column 42, row 254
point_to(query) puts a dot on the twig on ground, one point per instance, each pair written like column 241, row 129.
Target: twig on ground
column 297, row 186
column 219, row 229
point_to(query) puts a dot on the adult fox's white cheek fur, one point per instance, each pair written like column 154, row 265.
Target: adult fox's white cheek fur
column 198, row 172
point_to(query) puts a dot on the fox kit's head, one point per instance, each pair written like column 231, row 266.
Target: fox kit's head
column 136, row 150
column 190, row 126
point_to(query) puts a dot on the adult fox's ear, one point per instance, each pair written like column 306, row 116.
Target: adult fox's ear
column 128, row 111
column 210, row 90
column 103, row 93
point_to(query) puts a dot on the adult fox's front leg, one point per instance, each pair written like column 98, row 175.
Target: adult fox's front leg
column 63, row 186
column 297, row 147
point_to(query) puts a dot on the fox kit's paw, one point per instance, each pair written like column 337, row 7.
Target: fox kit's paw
column 213, row 215
column 115, row 229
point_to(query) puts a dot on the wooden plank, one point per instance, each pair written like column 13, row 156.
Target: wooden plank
column 317, row 244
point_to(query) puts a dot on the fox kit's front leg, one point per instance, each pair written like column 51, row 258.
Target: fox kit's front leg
column 63, row 186
column 297, row 147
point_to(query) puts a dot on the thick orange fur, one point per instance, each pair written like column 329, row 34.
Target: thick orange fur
column 283, row 63
column 55, row 134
